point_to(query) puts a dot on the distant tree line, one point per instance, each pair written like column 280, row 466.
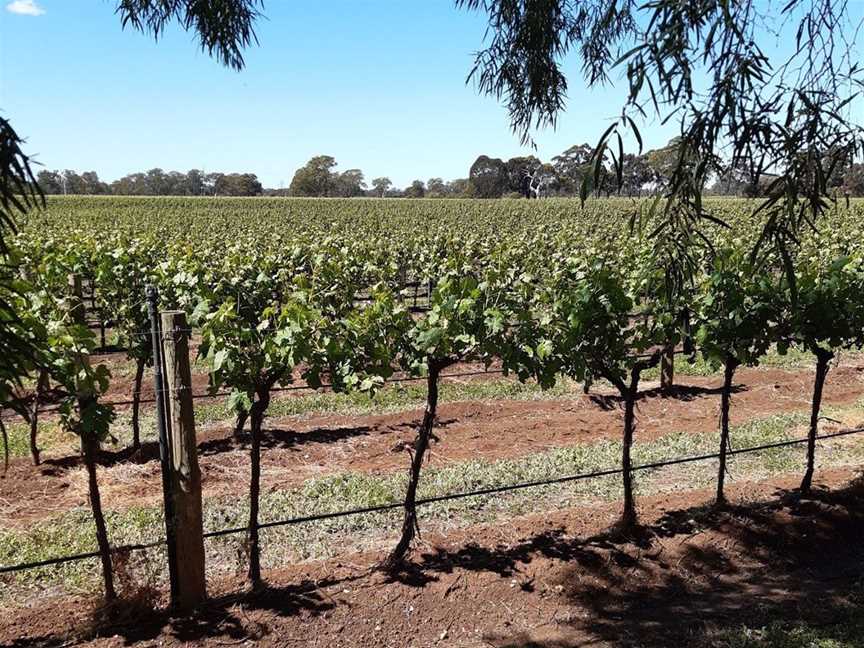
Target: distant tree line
column 154, row 182
column 566, row 174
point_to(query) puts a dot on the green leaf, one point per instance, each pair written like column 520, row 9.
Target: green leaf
column 219, row 360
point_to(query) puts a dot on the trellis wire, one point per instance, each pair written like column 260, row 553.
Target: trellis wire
column 221, row 394
column 433, row 500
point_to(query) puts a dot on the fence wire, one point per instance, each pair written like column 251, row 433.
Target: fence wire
column 431, row 500
column 150, row 395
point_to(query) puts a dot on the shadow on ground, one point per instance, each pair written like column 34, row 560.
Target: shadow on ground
column 273, row 438
column 791, row 559
column 226, row 619
column 685, row 393
column 665, row 584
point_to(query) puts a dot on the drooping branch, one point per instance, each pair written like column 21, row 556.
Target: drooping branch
column 19, row 191
column 224, row 27
column 710, row 66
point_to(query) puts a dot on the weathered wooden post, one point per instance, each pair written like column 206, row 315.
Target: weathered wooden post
column 184, row 474
column 162, row 427
column 77, row 310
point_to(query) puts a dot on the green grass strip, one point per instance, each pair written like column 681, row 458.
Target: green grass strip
column 72, row 532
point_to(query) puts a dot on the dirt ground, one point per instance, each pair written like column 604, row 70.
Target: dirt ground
column 553, row 580
column 300, row 448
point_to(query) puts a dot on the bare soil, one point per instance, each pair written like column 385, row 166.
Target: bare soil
column 557, row 580
column 299, row 448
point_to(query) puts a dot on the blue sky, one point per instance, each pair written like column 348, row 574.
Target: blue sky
column 379, row 85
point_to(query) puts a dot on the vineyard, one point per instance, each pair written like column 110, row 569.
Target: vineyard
column 367, row 372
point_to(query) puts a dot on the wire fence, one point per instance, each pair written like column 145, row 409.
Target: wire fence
column 416, row 301
column 433, row 500
column 151, row 394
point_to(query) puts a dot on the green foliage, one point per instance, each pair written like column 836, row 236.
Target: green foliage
column 315, row 178
column 250, row 349
column 361, row 349
column 488, row 178
column 81, row 413
column 590, row 314
column 122, row 274
column 708, row 69
column 20, row 334
column 739, row 311
column 417, row 189
column 545, row 289
column 829, row 312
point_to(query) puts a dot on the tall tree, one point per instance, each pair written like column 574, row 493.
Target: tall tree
column 637, row 176
column 237, row 184
column 542, row 180
column 853, row 183
column 416, row 190
column 663, row 161
column 92, row 185
column 349, row 184
column 573, row 166
column 72, row 183
column 488, row 177
column 381, row 185
column 458, row 188
column 436, row 188
column 157, row 182
column 194, row 183
column 50, row 182
column 315, row 178
column 520, row 171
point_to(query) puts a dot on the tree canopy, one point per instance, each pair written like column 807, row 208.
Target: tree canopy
column 154, row 182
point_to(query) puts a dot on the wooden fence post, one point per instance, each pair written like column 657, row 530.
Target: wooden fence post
column 667, row 369
column 185, row 476
column 77, row 310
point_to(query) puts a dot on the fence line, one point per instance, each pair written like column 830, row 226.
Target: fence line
column 434, row 500
column 221, row 394
column 275, row 390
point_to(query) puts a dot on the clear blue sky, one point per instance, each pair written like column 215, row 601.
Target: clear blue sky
column 379, row 85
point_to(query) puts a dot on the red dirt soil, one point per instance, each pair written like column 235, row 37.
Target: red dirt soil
column 300, row 448
column 552, row 580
